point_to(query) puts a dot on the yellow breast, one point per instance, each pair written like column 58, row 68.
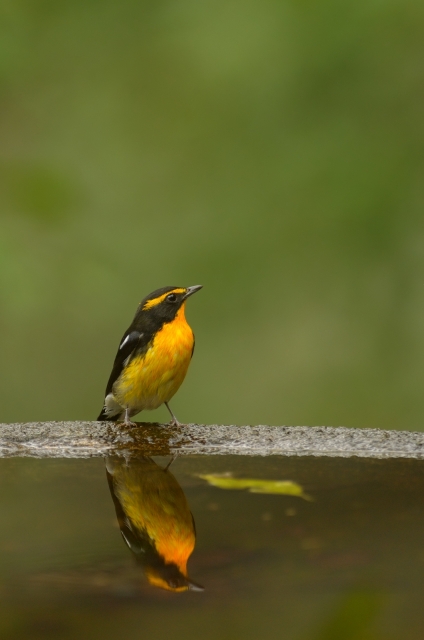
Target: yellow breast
column 155, row 503
column 154, row 377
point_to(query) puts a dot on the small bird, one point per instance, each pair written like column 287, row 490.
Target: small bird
column 155, row 520
column 153, row 356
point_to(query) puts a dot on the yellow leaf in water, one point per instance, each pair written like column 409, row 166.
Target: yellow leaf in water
column 280, row 487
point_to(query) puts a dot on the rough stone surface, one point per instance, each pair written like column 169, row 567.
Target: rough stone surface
column 88, row 439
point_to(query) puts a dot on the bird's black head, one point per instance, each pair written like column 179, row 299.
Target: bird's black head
column 163, row 304
column 169, row 577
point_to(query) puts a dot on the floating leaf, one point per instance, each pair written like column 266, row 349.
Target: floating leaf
column 280, row 487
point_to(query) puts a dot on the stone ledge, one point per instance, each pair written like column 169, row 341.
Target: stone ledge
column 93, row 439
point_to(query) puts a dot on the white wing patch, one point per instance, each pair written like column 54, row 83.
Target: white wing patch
column 124, row 342
column 134, row 336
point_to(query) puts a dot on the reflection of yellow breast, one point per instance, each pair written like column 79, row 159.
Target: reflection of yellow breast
column 154, row 377
column 154, row 502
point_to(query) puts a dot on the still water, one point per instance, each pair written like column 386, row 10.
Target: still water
column 212, row 547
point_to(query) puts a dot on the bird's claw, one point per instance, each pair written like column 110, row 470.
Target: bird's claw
column 175, row 423
column 128, row 423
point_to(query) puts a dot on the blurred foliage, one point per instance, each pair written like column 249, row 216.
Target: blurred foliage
column 271, row 151
column 36, row 191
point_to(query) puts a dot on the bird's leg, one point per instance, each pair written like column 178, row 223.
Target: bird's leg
column 127, row 422
column 174, row 422
column 174, row 457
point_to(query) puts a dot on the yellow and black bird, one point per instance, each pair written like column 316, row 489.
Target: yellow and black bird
column 155, row 520
column 153, row 356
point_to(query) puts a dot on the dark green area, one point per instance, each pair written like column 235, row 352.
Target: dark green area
column 271, row 151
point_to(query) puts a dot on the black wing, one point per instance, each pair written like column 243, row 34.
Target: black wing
column 129, row 342
column 138, row 541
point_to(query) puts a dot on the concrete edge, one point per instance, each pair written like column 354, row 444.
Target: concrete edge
column 94, row 439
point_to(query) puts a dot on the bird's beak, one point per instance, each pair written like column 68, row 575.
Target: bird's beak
column 191, row 290
column 195, row 586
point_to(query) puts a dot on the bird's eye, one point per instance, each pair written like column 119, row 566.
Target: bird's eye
column 171, row 298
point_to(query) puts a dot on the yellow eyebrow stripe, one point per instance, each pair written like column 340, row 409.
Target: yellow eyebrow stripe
column 152, row 303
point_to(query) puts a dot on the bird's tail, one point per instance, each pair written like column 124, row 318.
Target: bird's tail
column 103, row 415
column 111, row 410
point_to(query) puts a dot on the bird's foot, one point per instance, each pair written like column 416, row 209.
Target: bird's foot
column 175, row 423
column 128, row 423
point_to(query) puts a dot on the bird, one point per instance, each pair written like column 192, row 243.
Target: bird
column 155, row 520
column 153, row 357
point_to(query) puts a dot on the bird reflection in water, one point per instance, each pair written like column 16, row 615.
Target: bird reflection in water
column 155, row 520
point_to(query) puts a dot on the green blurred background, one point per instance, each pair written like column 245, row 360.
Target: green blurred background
column 269, row 150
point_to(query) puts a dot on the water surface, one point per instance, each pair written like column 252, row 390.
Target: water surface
column 347, row 563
